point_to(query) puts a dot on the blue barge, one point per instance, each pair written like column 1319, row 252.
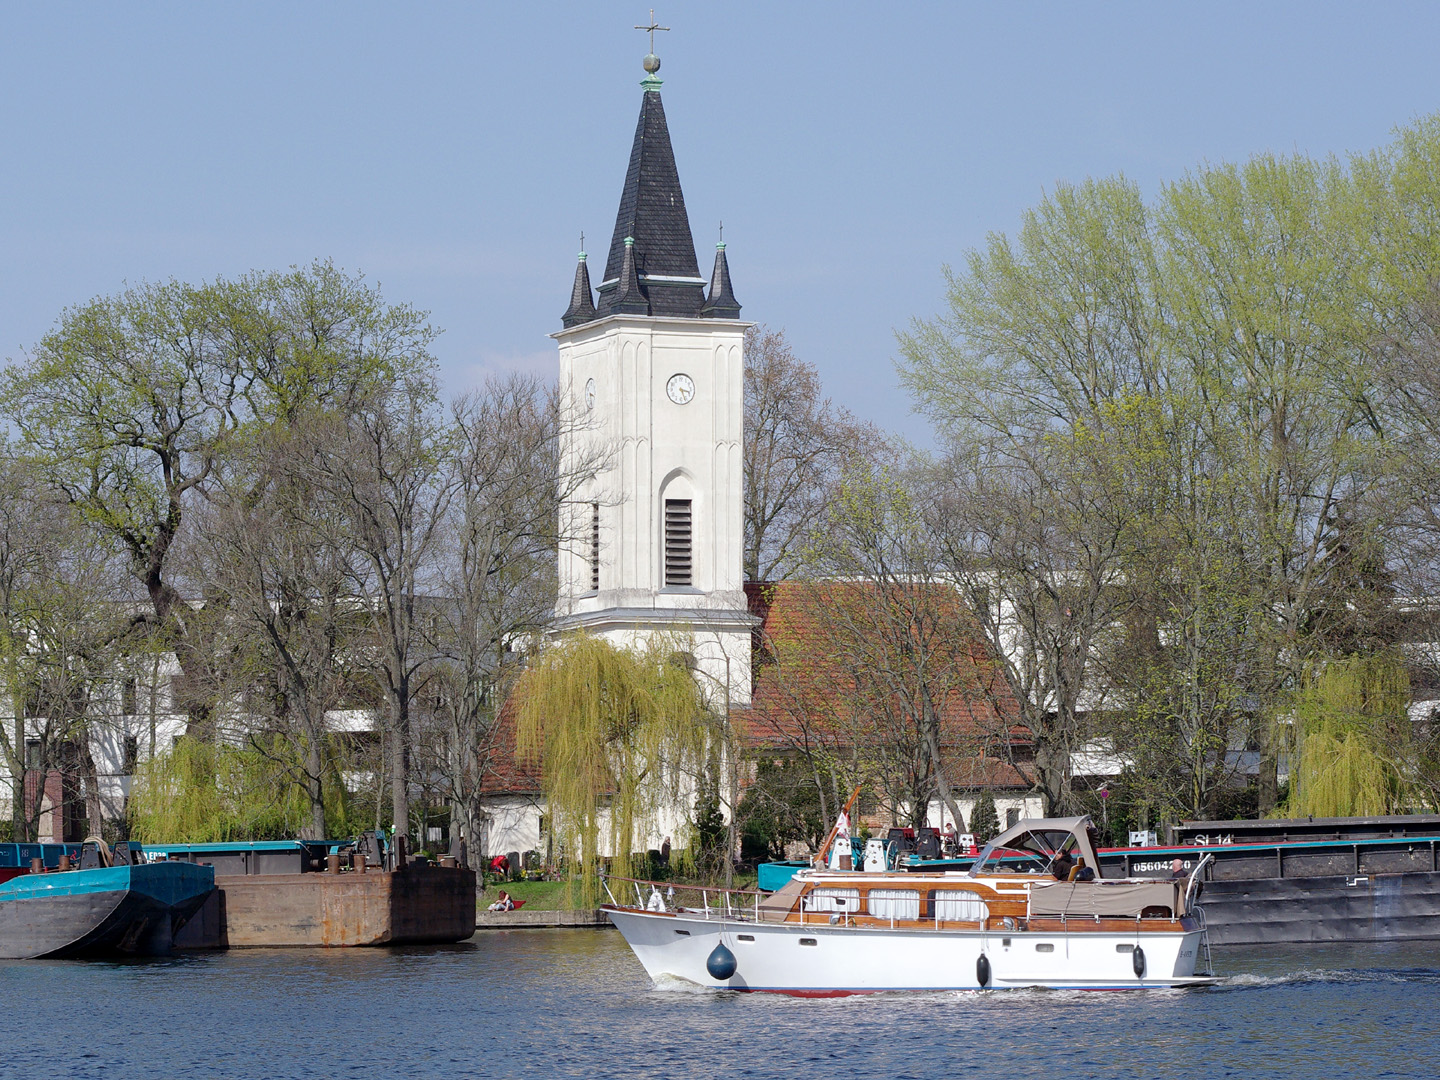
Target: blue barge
column 130, row 908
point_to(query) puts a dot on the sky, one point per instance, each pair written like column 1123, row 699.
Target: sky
column 454, row 153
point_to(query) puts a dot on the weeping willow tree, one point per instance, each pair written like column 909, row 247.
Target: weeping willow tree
column 1351, row 738
column 619, row 736
column 203, row 792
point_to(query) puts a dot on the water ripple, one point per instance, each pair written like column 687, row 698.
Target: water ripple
column 576, row 1004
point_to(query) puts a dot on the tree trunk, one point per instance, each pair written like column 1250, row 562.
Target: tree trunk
column 942, row 783
column 94, row 812
column 400, row 762
column 17, row 772
column 1052, row 777
column 314, row 790
column 1268, row 782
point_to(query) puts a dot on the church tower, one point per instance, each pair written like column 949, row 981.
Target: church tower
column 654, row 373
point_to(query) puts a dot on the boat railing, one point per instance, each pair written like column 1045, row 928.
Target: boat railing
column 708, row 901
column 1194, row 880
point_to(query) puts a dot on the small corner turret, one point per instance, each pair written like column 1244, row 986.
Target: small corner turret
column 721, row 303
column 582, row 306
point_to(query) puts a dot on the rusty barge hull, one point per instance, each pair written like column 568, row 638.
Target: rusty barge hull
column 415, row 906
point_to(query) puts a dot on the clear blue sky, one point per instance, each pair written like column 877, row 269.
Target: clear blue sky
column 454, row 152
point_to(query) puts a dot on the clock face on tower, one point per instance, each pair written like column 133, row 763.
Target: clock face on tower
column 680, row 389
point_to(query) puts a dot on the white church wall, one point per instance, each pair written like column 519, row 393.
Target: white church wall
column 1022, row 806
column 619, row 371
column 514, row 824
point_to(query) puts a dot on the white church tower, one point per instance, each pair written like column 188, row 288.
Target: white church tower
column 656, row 369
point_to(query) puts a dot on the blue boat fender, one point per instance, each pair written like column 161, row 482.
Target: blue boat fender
column 1137, row 961
column 982, row 971
column 720, row 963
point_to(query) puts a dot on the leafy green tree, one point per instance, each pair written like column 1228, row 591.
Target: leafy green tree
column 781, row 806
column 129, row 405
column 204, row 792
column 1180, row 478
column 1353, row 753
column 619, row 737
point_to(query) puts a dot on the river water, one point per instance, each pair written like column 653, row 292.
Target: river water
column 575, row 1003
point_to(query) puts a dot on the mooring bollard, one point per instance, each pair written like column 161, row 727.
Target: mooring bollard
column 359, row 863
column 37, row 866
column 332, row 864
column 64, row 863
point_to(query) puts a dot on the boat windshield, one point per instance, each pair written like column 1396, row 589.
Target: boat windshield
column 1034, row 852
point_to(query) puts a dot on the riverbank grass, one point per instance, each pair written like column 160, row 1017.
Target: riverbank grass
column 538, row 895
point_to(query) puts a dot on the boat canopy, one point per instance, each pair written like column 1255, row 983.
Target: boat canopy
column 1032, row 846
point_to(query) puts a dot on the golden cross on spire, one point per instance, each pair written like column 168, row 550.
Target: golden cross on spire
column 652, row 28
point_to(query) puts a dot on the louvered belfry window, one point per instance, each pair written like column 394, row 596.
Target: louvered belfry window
column 595, row 547
column 678, row 543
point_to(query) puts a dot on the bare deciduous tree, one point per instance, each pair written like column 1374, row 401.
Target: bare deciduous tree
column 796, row 441
column 499, row 575
column 387, row 471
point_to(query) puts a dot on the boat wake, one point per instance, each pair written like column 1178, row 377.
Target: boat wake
column 674, row 984
column 1324, row 976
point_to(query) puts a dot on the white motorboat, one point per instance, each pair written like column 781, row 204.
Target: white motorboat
column 1027, row 914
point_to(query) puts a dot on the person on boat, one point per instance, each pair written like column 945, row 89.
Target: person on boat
column 503, row 902
column 1177, row 869
column 1062, row 866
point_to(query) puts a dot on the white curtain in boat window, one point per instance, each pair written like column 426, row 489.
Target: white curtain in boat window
column 845, row 900
column 895, row 903
column 960, row 905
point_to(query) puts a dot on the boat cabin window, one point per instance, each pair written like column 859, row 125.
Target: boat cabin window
column 1031, row 853
column 960, row 905
column 833, row 900
column 895, row 903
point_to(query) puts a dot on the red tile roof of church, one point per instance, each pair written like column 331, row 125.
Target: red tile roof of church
column 807, row 690
column 799, row 693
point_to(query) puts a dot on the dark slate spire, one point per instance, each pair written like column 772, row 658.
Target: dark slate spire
column 582, row 307
column 721, row 303
column 652, row 214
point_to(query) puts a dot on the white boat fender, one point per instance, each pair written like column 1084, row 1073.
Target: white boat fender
column 720, row 963
column 982, row 971
column 1137, row 961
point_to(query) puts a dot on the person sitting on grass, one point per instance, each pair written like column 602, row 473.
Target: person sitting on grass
column 504, row 903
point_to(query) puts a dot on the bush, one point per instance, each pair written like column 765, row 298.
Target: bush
column 984, row 820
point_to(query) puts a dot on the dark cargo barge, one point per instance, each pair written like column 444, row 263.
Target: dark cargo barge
column 1305, row 880
column 324, row 894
